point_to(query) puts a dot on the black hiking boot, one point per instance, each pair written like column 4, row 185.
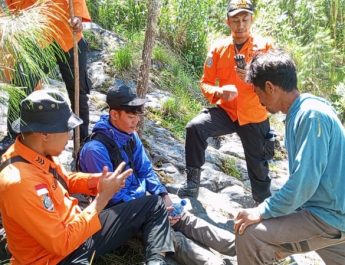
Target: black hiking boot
column 191, row 187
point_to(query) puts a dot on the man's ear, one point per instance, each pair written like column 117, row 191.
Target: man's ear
column 114, row 114
column 269, row 87
column 44, row 136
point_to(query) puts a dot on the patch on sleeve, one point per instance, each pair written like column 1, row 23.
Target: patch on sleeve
column 209, row 62
column 48, row 203
column 42, row 191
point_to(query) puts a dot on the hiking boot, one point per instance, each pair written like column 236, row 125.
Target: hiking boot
column 5, row 143
column 191, row 187
column 156, row 260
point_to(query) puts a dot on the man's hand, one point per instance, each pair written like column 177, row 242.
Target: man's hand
column 169, row 206
column 246, row 217
column 110, row 183
column 227, row 92
column 76, row 24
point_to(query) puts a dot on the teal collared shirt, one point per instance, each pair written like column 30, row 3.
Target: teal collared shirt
column 315, row 141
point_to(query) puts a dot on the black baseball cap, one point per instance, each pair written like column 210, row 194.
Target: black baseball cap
column 123, row 96
column 237, row 6
column 45, row 111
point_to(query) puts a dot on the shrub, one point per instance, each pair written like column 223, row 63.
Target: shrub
column 123, row 59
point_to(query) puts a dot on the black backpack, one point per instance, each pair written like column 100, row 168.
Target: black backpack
column 112, row 148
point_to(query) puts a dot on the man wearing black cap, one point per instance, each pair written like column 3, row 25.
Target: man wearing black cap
column 44, row 224
column 238, row 108
column 192, row 236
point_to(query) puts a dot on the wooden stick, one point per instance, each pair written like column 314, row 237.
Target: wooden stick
column 76, row 81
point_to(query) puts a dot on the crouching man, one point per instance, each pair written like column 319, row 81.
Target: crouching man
column 308, row 212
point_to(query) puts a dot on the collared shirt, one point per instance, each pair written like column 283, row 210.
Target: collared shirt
column 42, row 222
column 219, row 69
column 315, row 142
column 63, row 33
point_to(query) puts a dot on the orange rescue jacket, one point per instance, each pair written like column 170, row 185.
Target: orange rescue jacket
column 219, row 68
column 42, row 222
column 63, row 36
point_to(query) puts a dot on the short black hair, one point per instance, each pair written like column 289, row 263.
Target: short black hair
column 130, row 109
column 275, row 66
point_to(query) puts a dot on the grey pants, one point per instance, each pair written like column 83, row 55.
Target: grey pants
column 277, row 238
column 192, row 238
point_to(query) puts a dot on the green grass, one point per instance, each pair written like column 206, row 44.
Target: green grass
column 128, row 254
column 123, row 59
column 94, row 39
column 186, row 100
column 229, row 167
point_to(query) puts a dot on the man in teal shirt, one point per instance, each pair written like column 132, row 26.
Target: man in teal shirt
column 308, row 212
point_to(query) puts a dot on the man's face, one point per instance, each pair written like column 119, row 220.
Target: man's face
column 269, row 98
column 55, row 143
column 240, row 25
column 125, row 121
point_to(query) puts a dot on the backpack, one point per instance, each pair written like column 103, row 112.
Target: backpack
column 112, row 148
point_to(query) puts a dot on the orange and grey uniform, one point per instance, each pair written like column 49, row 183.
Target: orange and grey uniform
column 45, row 226
column 64, row 38
column 42, row 222
column 243, row 115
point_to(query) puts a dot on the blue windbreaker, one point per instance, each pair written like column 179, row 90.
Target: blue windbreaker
column 94, row 156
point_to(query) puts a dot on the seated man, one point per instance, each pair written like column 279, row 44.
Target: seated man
column 114, row 140
column 308, row 212
column 44, row 224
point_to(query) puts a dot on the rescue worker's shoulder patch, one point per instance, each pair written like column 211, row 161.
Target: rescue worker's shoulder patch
column 42, row 192
column 209, row 62
column 48, row 203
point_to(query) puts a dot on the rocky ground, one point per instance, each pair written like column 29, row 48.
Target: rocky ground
column 221, row 194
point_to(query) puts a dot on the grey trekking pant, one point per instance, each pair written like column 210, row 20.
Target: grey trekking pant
column 192, row 238
column 277, row 238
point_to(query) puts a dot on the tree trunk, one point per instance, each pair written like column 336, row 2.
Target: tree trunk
column 143, row 78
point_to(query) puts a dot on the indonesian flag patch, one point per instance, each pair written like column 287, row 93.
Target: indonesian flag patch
column 42, row 191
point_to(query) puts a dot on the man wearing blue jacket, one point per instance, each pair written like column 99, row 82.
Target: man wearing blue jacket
column 308, row 212
column 192, row 233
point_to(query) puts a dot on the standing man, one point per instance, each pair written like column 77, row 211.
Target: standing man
column 308, row 212
column 238, row 107
column 64, row 38
column 43, row 223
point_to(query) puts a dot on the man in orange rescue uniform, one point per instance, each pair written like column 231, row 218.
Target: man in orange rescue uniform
column 44, row 224
column 64, row 38
column 238, row 107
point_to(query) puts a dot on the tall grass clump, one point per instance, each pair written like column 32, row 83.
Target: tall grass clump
column 119, row 15
column 184, row 26
column 25, row 46
column 123, row 59
column 186, row 101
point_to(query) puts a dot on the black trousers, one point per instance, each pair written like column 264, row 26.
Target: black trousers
column 120, row 222
column 213, row 122
column 66, row 67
